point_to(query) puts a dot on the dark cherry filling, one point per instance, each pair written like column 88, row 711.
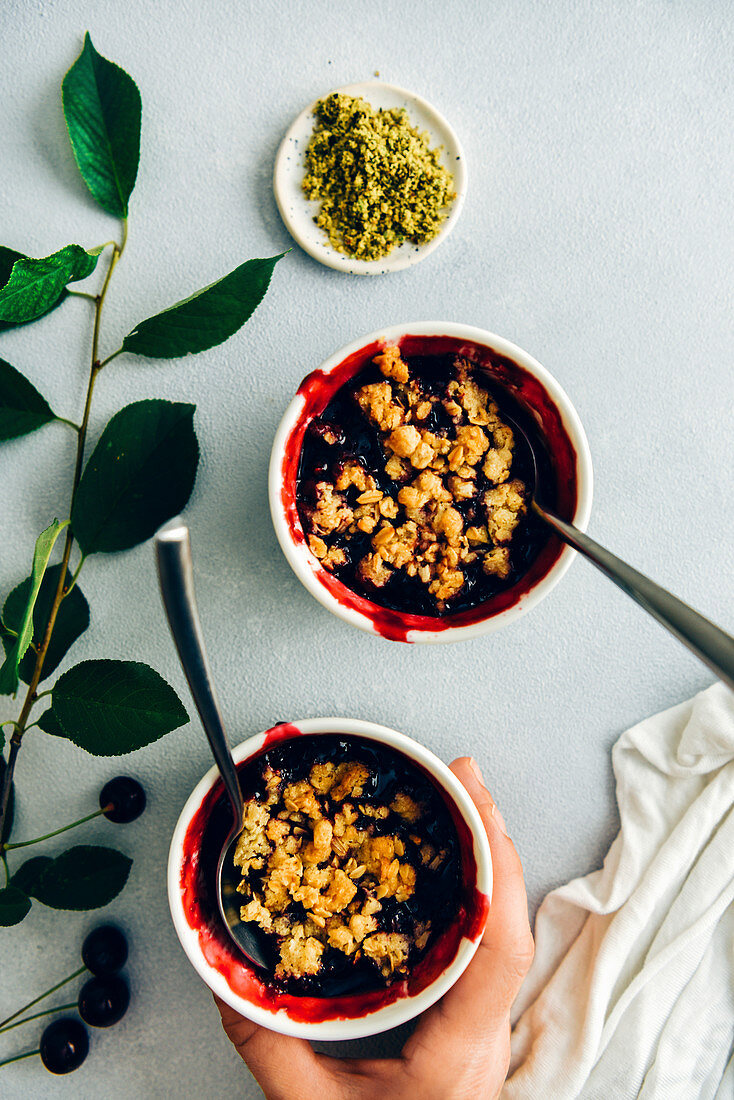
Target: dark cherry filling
column 436, row 891
column 448, row 898
column 357, row 438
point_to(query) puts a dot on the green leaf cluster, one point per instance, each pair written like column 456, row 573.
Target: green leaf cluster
column 102, row 108
column 140, row 473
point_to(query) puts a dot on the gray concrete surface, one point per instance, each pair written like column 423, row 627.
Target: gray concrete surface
column 597, row 234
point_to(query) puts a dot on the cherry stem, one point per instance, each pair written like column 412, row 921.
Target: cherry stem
column 37, row 1015
column 63, row 829
column 18, row 1057
column 76, row 974
column 63, row 420
column 83, row 293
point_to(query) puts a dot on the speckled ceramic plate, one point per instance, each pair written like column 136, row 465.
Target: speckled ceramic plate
column 298, row 212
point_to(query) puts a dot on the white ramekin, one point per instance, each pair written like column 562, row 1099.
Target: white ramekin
column 195, row 941
column 534, row 388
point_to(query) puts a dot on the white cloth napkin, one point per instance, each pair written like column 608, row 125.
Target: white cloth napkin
column 631, row 993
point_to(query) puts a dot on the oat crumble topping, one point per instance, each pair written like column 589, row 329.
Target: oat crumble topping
column 324, row 868
column 437, row 448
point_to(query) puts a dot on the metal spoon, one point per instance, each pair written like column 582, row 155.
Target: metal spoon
column 709, row 642
column 176, row 578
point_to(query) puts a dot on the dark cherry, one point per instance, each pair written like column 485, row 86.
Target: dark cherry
column 64, row 1045
column 104, row 951
column 125, row 797
column 104, row 1000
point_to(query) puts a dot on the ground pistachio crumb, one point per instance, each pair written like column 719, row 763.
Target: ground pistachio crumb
column 377, row 178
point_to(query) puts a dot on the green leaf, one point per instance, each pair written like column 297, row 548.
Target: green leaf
column 112, row 707
column 84, row 877
column 22, row 409
column 35, row 286
column 206, row 318
column 14, row 905
column 8, row 256
column 140, row 474
column 44, row 546
column 72, row 620
column 102, row 109
column 10, row 812
column 29, row 872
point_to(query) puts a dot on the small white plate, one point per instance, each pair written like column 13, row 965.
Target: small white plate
column 298, row 212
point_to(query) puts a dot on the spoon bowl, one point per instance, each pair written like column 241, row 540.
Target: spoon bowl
column 176, row 578
column 247, row 936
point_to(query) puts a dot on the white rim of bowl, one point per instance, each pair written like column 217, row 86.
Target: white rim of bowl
column 391, row 1015
column 288, row 173
column 306, row 566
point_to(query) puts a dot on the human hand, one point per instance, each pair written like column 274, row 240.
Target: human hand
column 460, row 1049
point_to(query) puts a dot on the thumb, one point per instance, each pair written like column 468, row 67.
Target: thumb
column 507, row 932
column 465, row 1038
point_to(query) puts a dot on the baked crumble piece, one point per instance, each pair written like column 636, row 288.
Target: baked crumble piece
column 342, row 867
column 427, row 495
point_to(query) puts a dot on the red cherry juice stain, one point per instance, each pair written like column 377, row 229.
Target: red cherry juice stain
column 202, row 915
column 318, row 388
column 282, row 732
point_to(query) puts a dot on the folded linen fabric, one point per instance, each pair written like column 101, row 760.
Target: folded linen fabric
column 631, row 993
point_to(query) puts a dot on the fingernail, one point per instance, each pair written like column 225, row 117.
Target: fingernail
column 495, row 812
column 476, row 769
column 499, row 818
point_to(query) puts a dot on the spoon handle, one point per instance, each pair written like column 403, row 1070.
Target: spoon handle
column 176, row 577
column 709, row 642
